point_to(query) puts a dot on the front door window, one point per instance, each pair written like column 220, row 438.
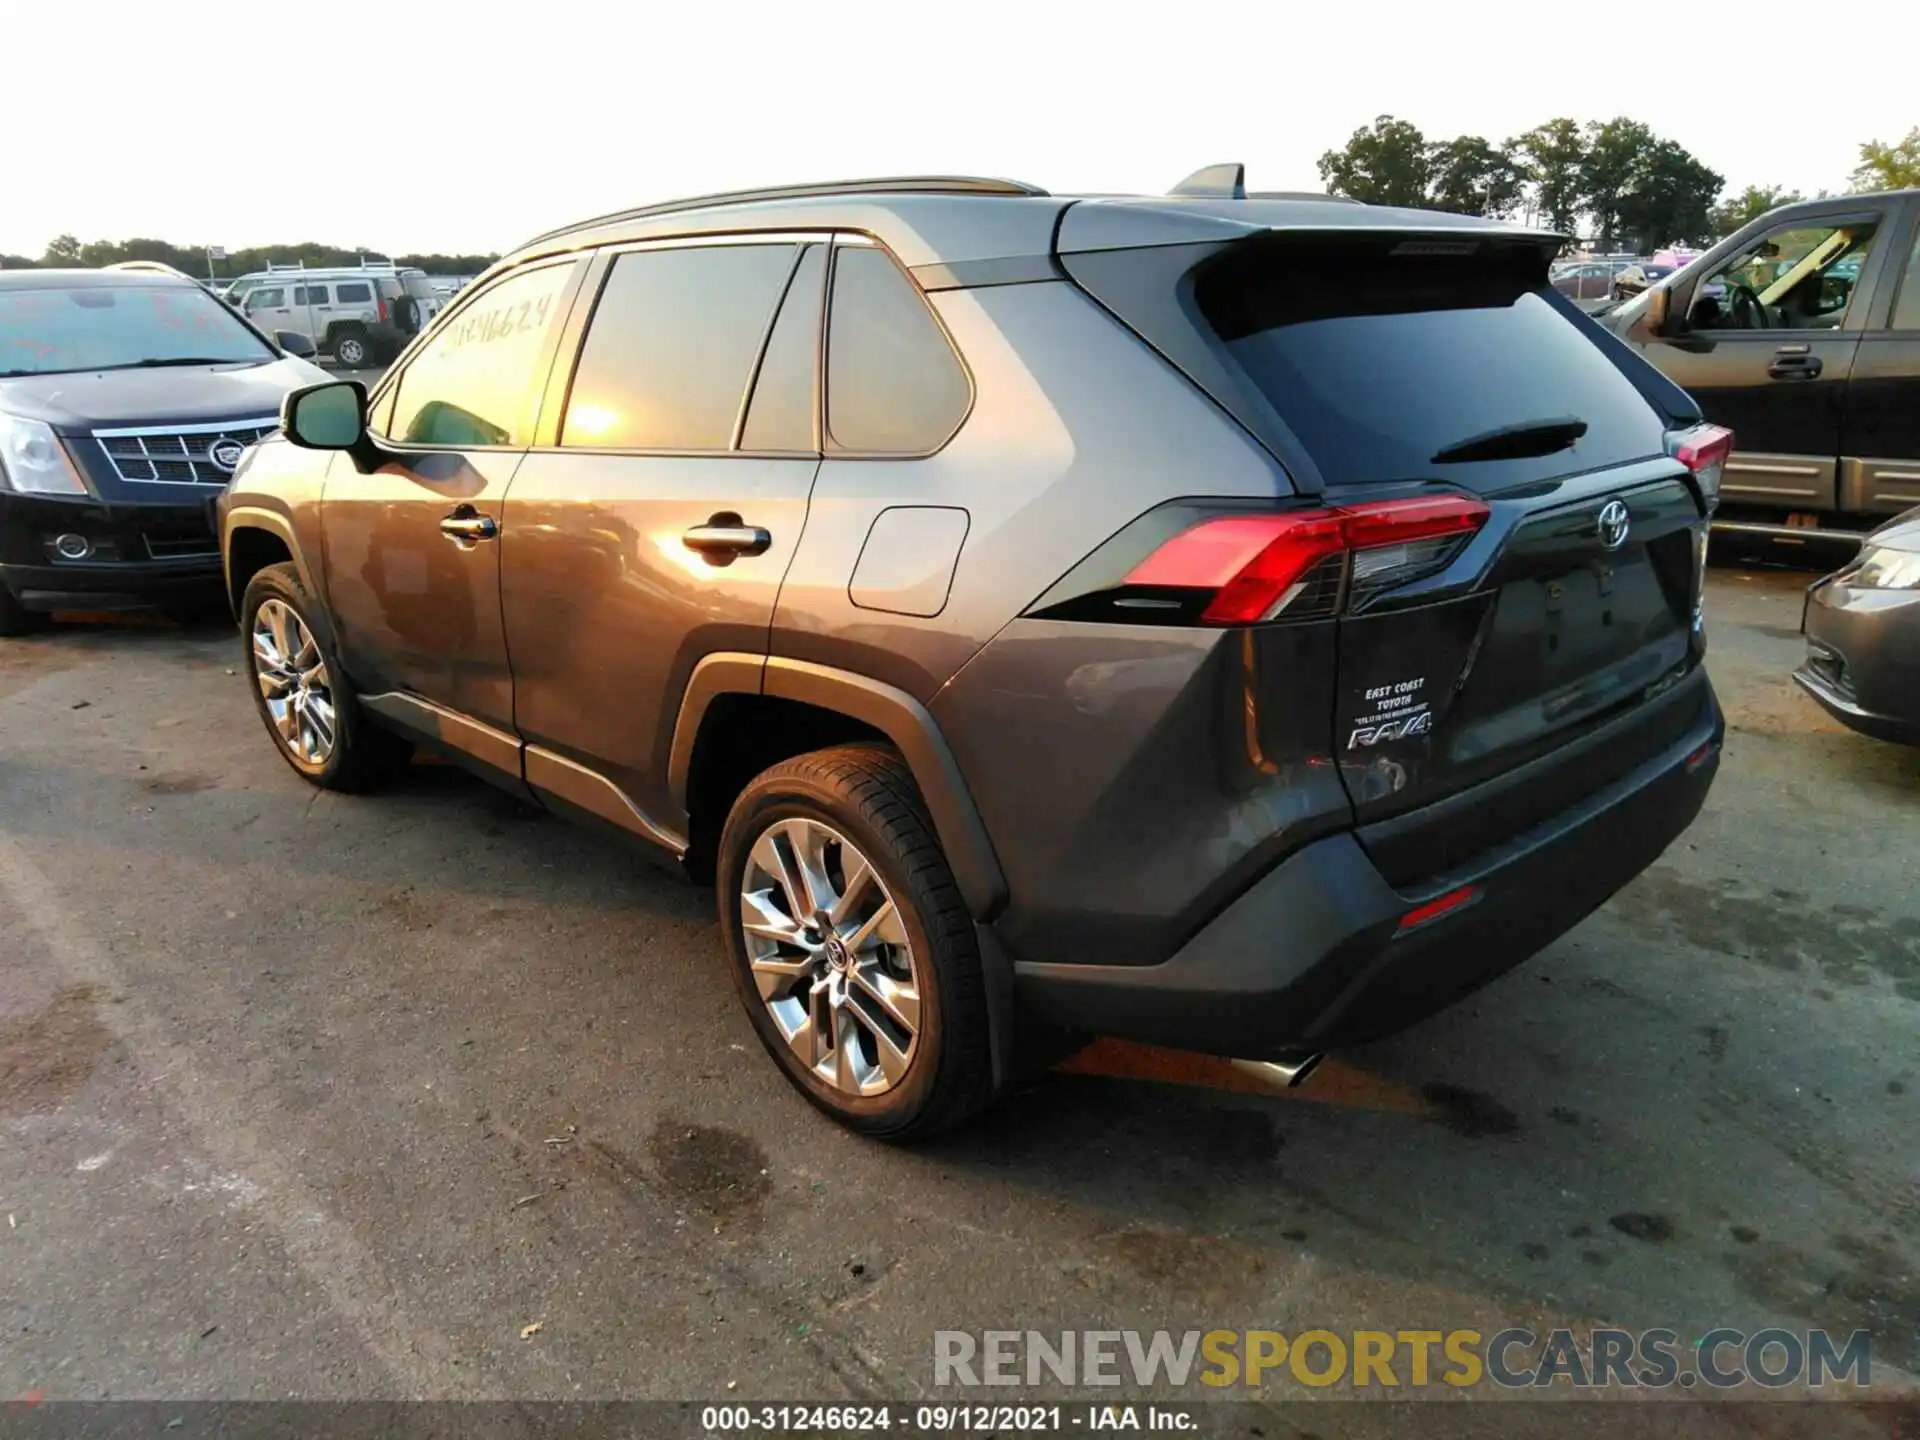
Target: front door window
column 1800, row 277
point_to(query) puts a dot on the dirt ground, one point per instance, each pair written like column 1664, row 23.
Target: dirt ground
column 426, row 1095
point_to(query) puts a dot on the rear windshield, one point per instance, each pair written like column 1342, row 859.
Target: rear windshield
column 100, row 327
column 1380, row 364
column 419, row 287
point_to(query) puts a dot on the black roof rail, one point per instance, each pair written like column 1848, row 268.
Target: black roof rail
column 892, row 185
column 1302, row 195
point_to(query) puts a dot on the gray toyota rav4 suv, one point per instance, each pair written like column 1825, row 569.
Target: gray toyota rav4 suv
column 1240, row 623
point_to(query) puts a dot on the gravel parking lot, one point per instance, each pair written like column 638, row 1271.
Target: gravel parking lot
column 428, row 1095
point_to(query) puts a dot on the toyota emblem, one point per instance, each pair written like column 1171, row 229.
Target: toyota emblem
column 1615, row 521
column 225, row 454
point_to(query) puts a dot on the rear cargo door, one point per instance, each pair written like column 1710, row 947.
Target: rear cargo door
column 1411, row 369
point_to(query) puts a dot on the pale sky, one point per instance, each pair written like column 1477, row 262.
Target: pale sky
column 417, row 125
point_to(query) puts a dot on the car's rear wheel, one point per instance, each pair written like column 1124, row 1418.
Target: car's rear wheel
column 351, row 350
column 16, row 619
column 302, row 694
column 850, row 945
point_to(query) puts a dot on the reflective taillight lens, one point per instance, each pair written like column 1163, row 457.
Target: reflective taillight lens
column 1704, row 450
column 1300, row 563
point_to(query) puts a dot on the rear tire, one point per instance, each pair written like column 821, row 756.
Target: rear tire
column 303, row 696
column 16, row 619
column 351, row 350
column 874, row 1003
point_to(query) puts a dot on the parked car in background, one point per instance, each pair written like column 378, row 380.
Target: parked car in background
column 1801, row 333
column 360, row 315
column 1863, row 636
column 127, row 397
column 1635, row 278
column 1590, row 282
column 1126, row 614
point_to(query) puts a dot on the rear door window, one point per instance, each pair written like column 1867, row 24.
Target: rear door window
column 894, row 385
column 780, row 414
column 672, row 346
column 1385, row 365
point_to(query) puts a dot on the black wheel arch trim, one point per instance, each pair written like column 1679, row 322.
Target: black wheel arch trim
column 894, row 713
column 254, row 517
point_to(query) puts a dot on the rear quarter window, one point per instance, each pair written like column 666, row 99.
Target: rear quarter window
column 894, row 384
column 1378, row 363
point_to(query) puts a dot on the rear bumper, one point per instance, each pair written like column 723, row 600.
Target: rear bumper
column 136, row 559
column 1313, row 955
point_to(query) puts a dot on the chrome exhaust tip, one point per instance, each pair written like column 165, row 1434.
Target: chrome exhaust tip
column 1284, row 1073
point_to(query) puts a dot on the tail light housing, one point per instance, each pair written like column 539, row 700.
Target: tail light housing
column 1704, row 450
column 380, row 308
column 1304, row 564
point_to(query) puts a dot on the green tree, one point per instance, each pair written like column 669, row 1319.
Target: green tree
column 1382, row 164
column 1550, row 157
column 1469, row 176
column 1669, row 198
column 62, row 250
column 1616, row 156
column 1750, row 204
column 1889, row 167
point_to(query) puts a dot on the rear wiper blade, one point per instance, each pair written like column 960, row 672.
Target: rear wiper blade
column 1515, row 442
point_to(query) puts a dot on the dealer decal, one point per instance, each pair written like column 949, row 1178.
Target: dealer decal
column 1398, row 712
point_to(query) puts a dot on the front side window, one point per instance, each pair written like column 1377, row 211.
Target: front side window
column 672, row 347
column 1800, row 277
column 117, row 327
column 894, row 385
column 267, row 297
column 474, row 382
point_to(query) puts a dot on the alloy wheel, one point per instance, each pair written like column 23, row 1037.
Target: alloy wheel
column 293, row 680
column 830, row 956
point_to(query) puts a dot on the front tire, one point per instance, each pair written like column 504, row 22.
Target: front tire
column 302, row 694
column 16, row 619
column 850, row 946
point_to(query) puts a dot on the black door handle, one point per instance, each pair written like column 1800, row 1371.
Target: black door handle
column 725, row 537
column 1794, row 365
column 467, row 527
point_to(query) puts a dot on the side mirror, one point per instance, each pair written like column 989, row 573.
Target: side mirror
column 294, row 343
column 1659, row 309
column 332, row 416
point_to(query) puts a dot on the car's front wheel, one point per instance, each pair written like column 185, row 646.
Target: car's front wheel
column 302, row 694
column 15, row 618
column 850, row 945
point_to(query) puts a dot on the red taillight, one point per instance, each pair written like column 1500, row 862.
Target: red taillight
column 1260, row 565
column 1704, row 450
column 1440, row 905
column 380, row 308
